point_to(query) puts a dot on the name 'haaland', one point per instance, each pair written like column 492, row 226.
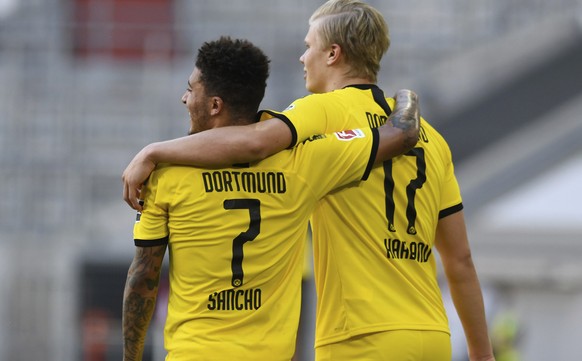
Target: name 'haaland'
column 415, row 251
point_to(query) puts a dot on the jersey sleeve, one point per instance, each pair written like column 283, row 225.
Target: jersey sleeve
column 151, row 226
column 451, row 201
column 305, row 117
column 335, row 160
column 268, row 114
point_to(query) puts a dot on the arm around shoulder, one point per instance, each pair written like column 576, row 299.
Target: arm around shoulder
column 223, row 146
column 267, row 138
column 215, row 147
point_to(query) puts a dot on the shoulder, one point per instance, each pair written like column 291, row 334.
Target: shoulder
column 171, row 173
column 428, row 133
column 431, row 138
column 164, row 168
column 320, row 99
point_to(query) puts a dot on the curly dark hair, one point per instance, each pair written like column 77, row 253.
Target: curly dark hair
column 235, row 70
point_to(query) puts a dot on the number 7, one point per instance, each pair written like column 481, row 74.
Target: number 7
column 254, row 207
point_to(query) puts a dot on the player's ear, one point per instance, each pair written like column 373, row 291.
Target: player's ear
column 216, row 105
column 334, row 54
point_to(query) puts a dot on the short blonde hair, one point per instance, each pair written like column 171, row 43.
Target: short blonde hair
column 359, row 29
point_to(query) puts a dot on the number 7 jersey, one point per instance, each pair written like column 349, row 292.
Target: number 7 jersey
column 236, row 238
column 374, row 264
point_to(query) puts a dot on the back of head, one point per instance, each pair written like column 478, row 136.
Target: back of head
column 236, row 71
column 359, row 29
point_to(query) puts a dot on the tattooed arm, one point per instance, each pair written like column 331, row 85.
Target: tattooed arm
column 139, row 299
column 242, row 144
column 400, row 133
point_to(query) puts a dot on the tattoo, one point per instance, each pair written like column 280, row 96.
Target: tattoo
column 139, row 299
column 137, row 311
column 406, row 116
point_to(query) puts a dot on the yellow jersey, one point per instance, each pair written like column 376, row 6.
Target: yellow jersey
column 236, row 239
column 374, row 265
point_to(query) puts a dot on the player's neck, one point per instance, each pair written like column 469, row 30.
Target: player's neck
column 342, row 82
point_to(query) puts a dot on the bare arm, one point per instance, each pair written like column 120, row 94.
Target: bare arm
column 239, row 144
column 400, row 133
column 453, row 246
column 212, row 148
column 139, row 299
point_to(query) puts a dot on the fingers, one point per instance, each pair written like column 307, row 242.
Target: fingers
column 406, row 116
column 406, row 98
column 131, row 195
column 133, row 178
column 134, row 194
column 134, row 198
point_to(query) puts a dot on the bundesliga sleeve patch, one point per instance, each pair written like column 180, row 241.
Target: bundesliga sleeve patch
column 348, row 135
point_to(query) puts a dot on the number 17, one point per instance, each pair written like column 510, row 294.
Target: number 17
column 411, row 189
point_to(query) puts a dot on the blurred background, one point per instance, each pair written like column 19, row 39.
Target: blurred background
column 85, row 84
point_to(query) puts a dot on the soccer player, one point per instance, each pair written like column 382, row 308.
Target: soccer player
column 236, row 235
column 374, row 261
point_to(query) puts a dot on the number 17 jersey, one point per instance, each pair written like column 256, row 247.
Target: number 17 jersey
column 374, row 264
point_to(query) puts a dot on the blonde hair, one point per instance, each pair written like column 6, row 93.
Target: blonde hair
column 359, row 29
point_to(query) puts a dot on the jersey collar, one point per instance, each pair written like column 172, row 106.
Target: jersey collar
column 362, row 86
